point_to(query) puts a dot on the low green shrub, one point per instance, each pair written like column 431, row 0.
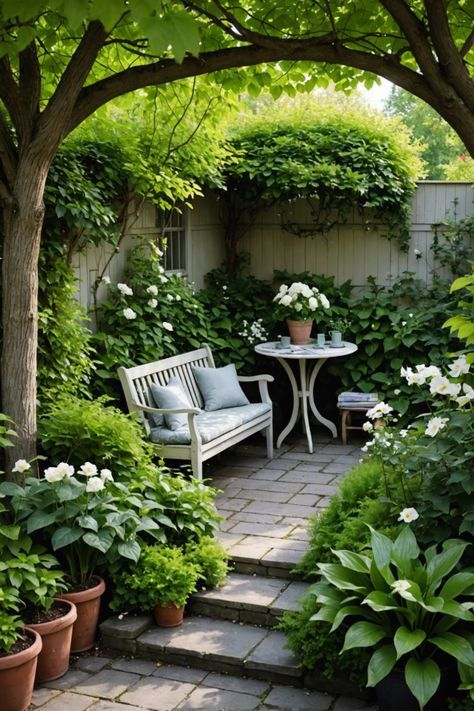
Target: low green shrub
column 161, row 575
column 211, row 559
column 74, row 430
column 187, row 506
column 343, row 523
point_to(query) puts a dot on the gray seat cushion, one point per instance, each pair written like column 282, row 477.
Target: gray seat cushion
column 211, row 424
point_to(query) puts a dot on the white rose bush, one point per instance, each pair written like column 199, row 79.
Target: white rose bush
column 83, row 515
column 299, row 301
column 434, row 455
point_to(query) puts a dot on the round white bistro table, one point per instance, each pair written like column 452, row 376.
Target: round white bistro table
column 303, row 393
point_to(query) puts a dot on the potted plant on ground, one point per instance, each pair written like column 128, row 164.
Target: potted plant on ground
column 162, row 581
column 19, row 650
column 35, row 575
column 410, row 608
column 89, row 521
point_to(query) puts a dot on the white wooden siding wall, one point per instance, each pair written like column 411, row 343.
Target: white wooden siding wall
column 350, row 251
column 354, row 250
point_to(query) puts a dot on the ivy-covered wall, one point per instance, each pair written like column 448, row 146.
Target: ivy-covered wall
column 353, row 251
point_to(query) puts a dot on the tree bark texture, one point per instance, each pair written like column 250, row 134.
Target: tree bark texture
column 22, row 223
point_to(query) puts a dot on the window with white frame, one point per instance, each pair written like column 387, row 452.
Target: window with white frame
column 172, row 227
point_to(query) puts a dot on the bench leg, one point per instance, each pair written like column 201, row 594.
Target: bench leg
column 345, row 420
column 196, row 465
column 269, row 437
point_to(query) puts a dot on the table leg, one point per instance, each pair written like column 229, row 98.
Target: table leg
column 294, row 412
column 304, row 404
column 327, row 423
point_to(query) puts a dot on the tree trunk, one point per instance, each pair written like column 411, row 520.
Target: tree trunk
column 23, row 219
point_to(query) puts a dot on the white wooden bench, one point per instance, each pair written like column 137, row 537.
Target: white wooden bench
column 199, row 444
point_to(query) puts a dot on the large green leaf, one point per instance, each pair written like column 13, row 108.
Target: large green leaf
column 422, row 678
column 64, row 536
column 405, row 640
column 405, row 546
column 344, row 612
column 381, row 663
column 382, row 551
column 456, row 585
column 40, row 519
column 101, row 541
column 380, row 601
column 354, row 561
column 129, row 549
column 342, row 578
column 443, row 563
column 456, row 646
column 363, row 634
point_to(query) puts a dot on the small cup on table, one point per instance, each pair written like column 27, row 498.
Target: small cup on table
column 285, row 341
column 321, row 340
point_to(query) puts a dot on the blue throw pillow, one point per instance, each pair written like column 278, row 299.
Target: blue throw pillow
column 170, row 396
column 220, row 387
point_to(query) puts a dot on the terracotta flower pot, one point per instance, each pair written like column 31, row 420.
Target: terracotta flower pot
column 300, row 331
column 17, row 675
column 87, row 603
column 53, row 660
column 168, row 615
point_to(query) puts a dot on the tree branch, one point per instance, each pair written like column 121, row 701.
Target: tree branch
column 9, row 92
column 416, row 34
column 30, row 90
column 447, row 52
column 55, row 118
column 8, row 154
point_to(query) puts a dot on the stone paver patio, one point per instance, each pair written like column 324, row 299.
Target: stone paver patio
column 265, row 505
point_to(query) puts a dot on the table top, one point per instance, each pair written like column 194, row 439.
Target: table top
column 312, row 350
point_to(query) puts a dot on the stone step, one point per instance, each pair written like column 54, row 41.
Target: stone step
column 263, row 555
column 219, row 646
column 251, row 599
column 206, row 643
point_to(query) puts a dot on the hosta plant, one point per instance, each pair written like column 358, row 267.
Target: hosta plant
column 407, row 605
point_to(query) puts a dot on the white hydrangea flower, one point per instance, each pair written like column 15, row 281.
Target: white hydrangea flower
column 324, row 301
column 167, row 326
column 106, row 280
column 381, row 409
column 408, row 515
column 312, row 303
column 88, row 469
column 286, row 300
column 162, row 278
column 170, row 297
column 153, row 303
column 21, row 466
column 435, row 424
column 368, row 427
column 129, row 314
column 125, row 289
column 106, row 475
column 152, row 289
column 459, row 367
column 95, row 483
column 177, row 297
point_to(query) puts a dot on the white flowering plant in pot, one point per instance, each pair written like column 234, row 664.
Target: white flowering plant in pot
column 299, row 302
column 84, row 516
column 412, row 608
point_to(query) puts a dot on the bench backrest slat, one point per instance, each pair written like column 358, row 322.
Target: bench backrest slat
column 136, row 381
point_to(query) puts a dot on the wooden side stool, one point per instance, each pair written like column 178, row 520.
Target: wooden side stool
column 346, row 420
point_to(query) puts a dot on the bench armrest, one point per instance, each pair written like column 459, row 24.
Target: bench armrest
column 190, row 411
column 262, row 381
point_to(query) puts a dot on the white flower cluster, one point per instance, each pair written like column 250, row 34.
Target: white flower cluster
column 380, row 410
column 300, row 299
column 129, row 314
column 461, row 393
column 95, row 480
column 253, row 332
column 125, row 289
column 382, row 439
